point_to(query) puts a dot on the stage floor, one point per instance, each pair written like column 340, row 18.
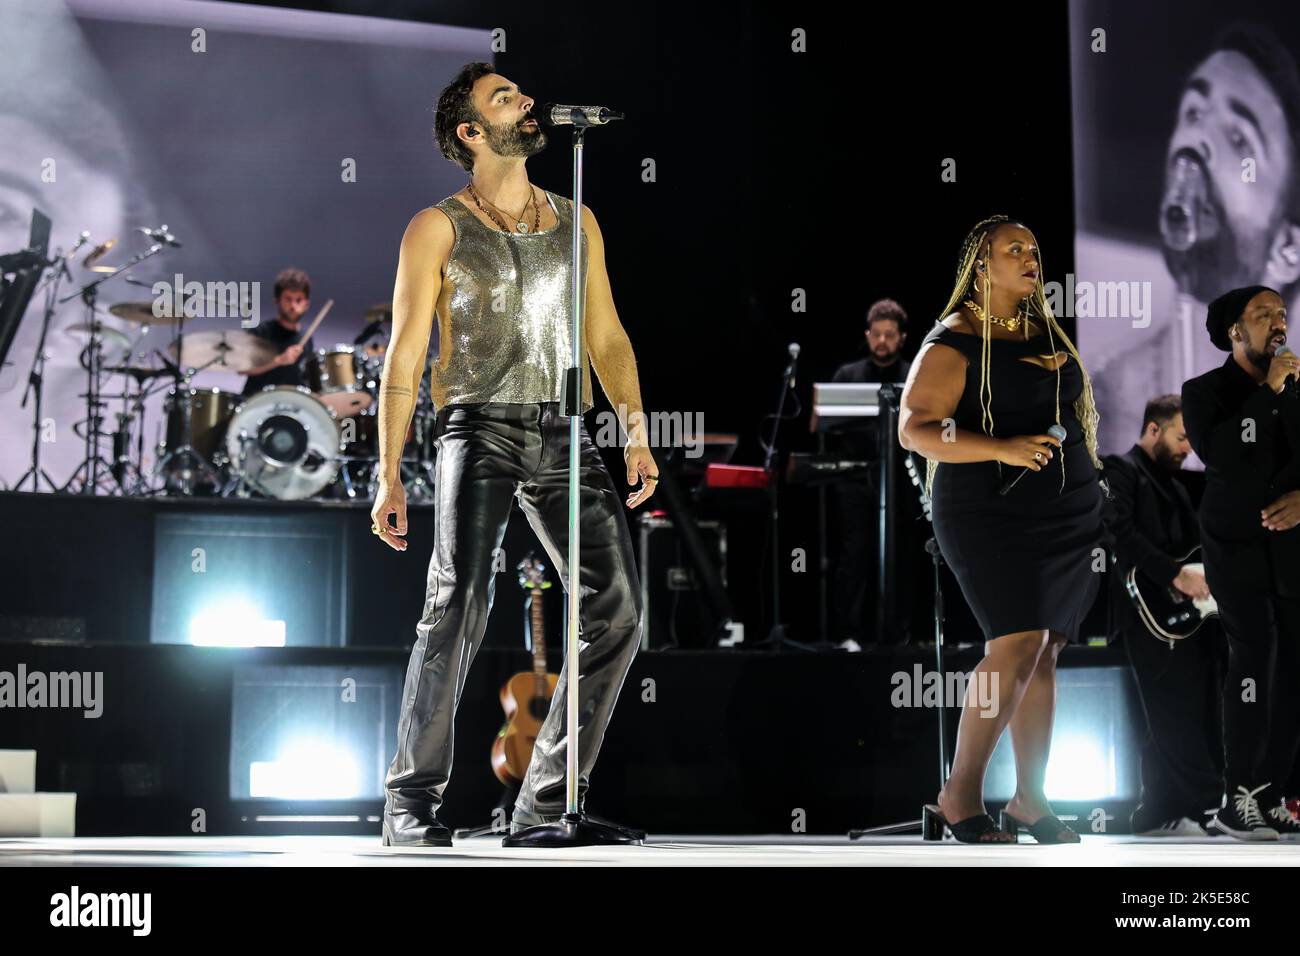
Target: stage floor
column 659, row 850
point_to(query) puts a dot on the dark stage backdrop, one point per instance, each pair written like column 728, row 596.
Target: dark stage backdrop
column 775, row 173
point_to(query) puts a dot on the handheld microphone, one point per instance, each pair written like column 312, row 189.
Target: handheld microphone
column 564, row 114
column 1057, row 432
column 1288, row 386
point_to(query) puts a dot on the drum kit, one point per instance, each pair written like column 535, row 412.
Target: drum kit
column 285, row 442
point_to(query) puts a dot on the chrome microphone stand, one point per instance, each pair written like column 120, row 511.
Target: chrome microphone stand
column 574, row 828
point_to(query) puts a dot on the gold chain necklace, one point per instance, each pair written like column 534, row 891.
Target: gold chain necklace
column 520, row 225
column 1011, row 324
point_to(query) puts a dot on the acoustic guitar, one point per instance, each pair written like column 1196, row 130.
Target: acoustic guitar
column 526, row 697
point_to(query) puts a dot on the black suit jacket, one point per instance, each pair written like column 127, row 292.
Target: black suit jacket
column 1249, row 439
column 1149, row 524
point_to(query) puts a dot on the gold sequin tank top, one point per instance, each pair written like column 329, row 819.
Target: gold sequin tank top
column 502, row 320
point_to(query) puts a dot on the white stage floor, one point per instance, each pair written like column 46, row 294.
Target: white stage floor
column 668, row 850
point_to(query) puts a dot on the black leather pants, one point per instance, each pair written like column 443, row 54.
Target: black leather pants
column 488, row 455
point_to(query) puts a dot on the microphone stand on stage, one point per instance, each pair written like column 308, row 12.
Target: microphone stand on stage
column 36, row 376
column 776, row 639
column 936, row 558
column 574, row 828
column 94, row 369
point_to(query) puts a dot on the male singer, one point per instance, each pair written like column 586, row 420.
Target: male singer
column 1243, row 420
column 493, row 262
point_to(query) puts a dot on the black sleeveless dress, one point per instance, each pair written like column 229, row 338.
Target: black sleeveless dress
column 1025, row 560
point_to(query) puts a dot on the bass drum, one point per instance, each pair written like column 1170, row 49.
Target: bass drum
column 284, row 443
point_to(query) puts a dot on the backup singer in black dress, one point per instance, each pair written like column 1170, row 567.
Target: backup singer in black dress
column 991, row 378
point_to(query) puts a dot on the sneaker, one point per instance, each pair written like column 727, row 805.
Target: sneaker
column 1182, row 827
column 1281, row 819
column 1241, row 817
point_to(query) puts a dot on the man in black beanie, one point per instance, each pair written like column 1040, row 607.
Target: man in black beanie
column 1243, row 420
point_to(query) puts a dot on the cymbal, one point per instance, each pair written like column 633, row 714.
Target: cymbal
column 110, row 337
column 232, row 350
column 141, row 313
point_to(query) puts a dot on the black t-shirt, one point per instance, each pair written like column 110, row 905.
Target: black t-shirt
column 866, row 370
column 858, row 440
column 281, row 338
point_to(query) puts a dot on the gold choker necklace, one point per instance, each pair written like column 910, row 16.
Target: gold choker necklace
column 1010, row 324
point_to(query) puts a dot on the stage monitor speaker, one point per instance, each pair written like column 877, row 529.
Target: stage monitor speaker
column 675, row 613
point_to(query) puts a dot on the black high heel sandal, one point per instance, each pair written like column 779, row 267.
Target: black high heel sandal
column 1046, row 829
column 974, row 829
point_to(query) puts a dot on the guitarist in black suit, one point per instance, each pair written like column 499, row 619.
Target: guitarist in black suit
column 1152, row 524
column 1243, row 419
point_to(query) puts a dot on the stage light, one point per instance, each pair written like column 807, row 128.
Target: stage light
column 1094, row 741
column 307, row 770
column 311, row 733
column 235, row 623
column 1079, row 769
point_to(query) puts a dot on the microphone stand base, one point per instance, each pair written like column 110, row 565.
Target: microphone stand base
column 572, row 829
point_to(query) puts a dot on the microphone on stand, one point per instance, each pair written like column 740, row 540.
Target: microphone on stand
column 160, row 235
column 563, row 114
column 794, row 362
column 1057, row 432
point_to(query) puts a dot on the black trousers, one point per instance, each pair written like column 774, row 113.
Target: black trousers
column 855, row 514
column 1181, row 689
column 1261, row 693
column 488, row 456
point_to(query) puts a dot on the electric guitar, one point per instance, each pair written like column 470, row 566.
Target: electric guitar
column 526, row 697
column 1168, row 613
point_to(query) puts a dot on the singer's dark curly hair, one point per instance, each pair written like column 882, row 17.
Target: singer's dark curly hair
column 456, row 106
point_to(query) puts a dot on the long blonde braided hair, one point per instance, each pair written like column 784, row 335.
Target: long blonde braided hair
column 978, row 244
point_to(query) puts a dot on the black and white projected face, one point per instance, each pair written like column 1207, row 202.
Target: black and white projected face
column 1231, row 123
column 1185, row 181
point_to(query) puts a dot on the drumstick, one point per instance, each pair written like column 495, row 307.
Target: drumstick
column 316, row 321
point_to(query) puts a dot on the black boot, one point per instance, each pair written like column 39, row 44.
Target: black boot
column 411, row 828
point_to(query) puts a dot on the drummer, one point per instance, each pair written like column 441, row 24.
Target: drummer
column 292, row 299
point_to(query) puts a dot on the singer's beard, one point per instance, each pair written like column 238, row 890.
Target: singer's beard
column 1261, row 359
column 513, row 140
column 1213, row 266
column 1168, row 460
